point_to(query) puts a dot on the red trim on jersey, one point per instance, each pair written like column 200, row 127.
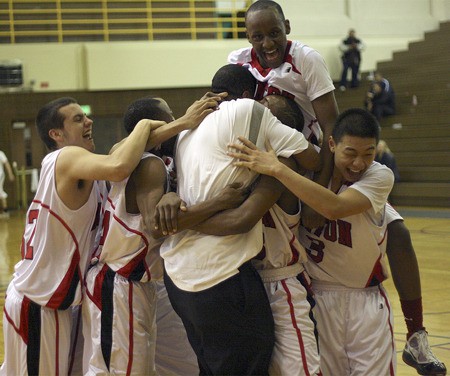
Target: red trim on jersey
column 22, row 330
column 96, row 296
column 267, row 220
column 130, row 328
column 56, row 342
column 254, row 62
column 126, row 270
column 288, row 58
column 386, row 302
column 294, row 251
column 297, row 329
column 377, row 275
column 60, row 293
column 384, row 237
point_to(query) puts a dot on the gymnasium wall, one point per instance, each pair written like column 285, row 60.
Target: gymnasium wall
column 383, row 25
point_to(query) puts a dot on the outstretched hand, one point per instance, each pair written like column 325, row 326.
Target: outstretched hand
column 248, row 155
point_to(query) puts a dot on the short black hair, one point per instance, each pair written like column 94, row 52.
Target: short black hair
column 291, row 114
column 265, row 4
column 143, row 108
column 356, row 122
column 234, row 79
column 49, row 118
column 148, row 108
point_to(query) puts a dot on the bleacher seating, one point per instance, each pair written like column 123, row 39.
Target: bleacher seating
column 420, row 138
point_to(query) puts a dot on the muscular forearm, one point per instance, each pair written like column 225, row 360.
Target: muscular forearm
column 194, row 215
column 126, row 155
column 165, row 132
column 226, row 223
column 321, row 199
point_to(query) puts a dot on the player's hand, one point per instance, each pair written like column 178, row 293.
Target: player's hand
column 310, row 218
column 233, row 195
column 200, row 109
column 210, row 94
column 166, row 213
column 248, row 155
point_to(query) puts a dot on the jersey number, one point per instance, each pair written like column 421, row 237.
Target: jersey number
column 27, row 250
column 315, row 250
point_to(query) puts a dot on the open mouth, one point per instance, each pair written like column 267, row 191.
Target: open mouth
column 271, row 55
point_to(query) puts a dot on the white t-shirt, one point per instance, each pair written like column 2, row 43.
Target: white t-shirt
column 351, row 251
column 195, row 261
column 302, row 76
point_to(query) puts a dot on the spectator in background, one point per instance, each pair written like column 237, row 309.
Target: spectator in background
column 351, row 48
column 385, row 156
column 380, row 99
column 385, row 84
column 4, row 165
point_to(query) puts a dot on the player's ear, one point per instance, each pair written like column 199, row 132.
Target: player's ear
column 247, row 94
column 287, row 25
column 331, row 144
column 55, row 134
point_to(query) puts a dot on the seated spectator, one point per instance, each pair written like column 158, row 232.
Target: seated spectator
column 385, row 156
column 380, row 99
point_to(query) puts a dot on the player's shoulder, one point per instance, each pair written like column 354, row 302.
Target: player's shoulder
column 299, row 50
column 151, row 161
column 379, row 173
column 240, row 56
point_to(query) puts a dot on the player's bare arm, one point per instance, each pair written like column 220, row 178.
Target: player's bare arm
column 321, row 199
column 326, row 110
column 191, row 119
column 149, row 182
column 171, row 215
column 77, row 168
column 308, row 159
column 242, row 219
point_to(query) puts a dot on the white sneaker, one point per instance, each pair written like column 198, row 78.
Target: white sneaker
column 418, row 354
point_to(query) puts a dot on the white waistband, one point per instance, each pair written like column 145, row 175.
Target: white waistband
column 277, row 274
column 325, row 285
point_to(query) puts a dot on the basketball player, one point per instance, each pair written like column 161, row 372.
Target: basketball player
column 122, row 297
column 295, row 70
column 60, row 224
column 292, row 69
column 347, row 263
column 208, row 278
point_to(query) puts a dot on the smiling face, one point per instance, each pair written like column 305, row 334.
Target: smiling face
column 77, row 130
column 266, row 31
column 352, row 156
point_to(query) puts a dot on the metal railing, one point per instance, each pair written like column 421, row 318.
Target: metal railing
column 119, row 20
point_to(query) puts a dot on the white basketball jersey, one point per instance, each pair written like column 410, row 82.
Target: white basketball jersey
column 56, row 244
column 126, row 246
column 281, row 246
column 303, row 76
column 351, row 251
